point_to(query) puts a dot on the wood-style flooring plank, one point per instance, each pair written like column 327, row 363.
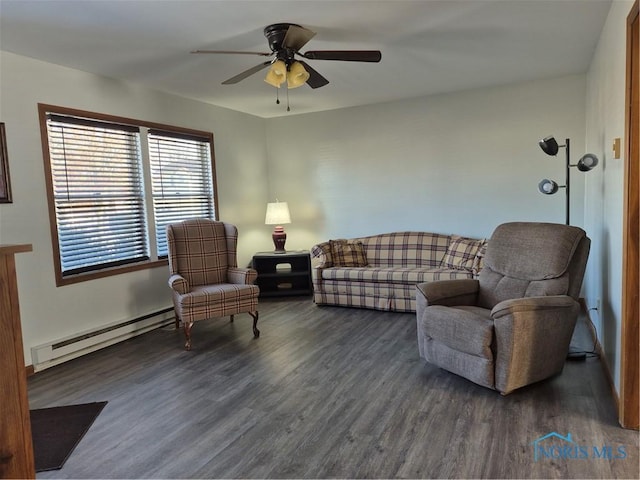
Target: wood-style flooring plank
column 325, row 392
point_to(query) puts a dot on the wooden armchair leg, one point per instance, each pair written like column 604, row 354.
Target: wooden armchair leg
column 187, row 334
column 256, row 332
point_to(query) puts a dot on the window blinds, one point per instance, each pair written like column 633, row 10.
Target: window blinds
column 98, row 193
column 181, row 180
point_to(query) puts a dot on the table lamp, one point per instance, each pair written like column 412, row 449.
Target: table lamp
column 278, row 214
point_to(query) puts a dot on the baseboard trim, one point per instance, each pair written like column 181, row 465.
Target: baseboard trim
column 64, row 349
column 600, row 351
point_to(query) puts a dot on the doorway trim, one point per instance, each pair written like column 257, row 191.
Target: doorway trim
column 629, row 405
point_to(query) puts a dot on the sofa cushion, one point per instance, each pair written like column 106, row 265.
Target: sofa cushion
column 348, row 253
column 218, row 294
column 461, row 253
column 406, row 249
column 392, row 275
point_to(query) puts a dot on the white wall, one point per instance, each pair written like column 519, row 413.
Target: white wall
column 49, row 312
column 605, row 120
column 457, row 163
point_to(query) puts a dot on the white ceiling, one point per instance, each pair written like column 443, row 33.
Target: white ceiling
column 428, row 46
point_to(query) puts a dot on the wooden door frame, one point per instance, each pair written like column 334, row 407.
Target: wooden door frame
column 629, row 405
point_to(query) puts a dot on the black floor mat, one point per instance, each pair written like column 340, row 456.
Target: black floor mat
column 56, row 431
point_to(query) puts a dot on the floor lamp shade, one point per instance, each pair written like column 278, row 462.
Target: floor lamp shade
column 549, row 145
column 548, row 187
column 278, row 215
column 587, row 162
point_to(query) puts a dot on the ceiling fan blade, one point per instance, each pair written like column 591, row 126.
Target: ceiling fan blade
column 315, row 80
column 346, row 55
column 296, row 37
column 234, row 52
column 246, row 73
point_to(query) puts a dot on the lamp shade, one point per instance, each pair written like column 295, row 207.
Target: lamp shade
column 277, row 214
column 549, row 145
column 277, row 74
column 587, row 162
column 548, row 187
column 297, row 75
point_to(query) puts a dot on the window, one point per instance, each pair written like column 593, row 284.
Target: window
column 97, row 193
column 113, row 186
column 181, row 180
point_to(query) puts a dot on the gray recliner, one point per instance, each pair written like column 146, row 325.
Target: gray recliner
column 512, row 326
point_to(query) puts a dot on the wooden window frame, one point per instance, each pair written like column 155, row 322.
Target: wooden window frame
column 154, row 261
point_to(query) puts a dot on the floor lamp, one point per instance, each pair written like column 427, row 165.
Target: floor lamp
column 550, row 146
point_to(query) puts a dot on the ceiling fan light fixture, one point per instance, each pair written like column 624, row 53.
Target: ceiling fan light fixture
column 277, row 74
column 285, row 41
column 297, row 75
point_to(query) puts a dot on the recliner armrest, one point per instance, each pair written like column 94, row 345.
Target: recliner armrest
column 532, row 336
column 178, row 283
column 242, row 276
column 532, row 304
column 450, row 293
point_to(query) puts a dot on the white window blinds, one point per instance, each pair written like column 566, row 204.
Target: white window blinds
column 181, row 176
column 98, row 193
column 114, row 183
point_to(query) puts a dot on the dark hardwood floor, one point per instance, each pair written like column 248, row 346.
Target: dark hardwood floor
column 325, row 392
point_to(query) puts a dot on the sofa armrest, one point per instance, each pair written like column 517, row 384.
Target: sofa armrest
column 179, row 284
column 322, row 252
column 242, row 276
column 478, row 261
column 449, row 293
column 532, row 338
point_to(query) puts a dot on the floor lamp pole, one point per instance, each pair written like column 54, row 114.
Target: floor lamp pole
column 567, row 181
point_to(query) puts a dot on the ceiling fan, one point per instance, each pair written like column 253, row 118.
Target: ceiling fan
column 285, row 41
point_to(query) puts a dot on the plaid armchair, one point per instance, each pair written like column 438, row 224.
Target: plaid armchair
column 204, row 275
column 512, row 326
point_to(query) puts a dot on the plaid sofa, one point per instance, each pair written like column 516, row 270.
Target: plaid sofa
column 381, row 272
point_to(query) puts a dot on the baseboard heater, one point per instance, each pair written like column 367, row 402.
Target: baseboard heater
column 64, row 349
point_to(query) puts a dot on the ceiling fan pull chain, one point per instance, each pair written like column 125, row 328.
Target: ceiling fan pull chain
column 277, row 96
column 288, row 109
